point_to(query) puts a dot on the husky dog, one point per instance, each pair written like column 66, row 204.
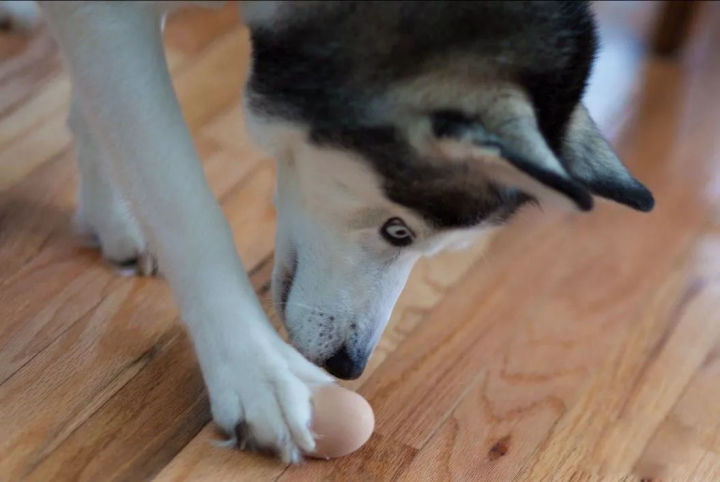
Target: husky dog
column 400, row 129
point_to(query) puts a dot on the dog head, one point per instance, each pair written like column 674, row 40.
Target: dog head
column 405, row 128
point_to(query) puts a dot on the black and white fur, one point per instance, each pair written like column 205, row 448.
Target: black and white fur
column 400, row 129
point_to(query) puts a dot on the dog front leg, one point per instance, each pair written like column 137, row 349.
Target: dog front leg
column 259, row 386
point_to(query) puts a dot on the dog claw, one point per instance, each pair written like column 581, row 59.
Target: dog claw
column 144, row 264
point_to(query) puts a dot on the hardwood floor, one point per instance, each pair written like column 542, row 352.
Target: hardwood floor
column 577, row 347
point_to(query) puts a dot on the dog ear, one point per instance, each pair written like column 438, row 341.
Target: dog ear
column 510, row 149
column 590, row 160
column 507, row 145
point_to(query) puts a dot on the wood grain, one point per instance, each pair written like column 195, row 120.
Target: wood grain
column 574, row 347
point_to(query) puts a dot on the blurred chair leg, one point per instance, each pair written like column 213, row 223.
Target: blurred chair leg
column 673, row 26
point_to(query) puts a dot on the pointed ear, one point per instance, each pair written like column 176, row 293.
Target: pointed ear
column 589, row 159
column 507, row 147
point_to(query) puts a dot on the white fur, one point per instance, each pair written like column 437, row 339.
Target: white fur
column 102, row 212
column 146, row 169
column 331, row 207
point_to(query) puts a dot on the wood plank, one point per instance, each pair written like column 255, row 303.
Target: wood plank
column 49, row 273
column 27, row 207
column 629, row 397
column 39, row 212
column 50, row 100
column 578, row 348
column 24, row 73
column 225, row 171
column 203, row 460
column 21, row 157
column 202, row 96
column 64, row 366
column 35, row 60
column 484, row 438
column 138, row 431
column 39, row 129
column 688, row 439
column 126, row 434
column 191, row 30
column 379, row 459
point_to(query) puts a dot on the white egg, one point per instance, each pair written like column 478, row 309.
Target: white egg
column 342, row 421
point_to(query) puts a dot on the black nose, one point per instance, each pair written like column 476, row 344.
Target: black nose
column 345, row 366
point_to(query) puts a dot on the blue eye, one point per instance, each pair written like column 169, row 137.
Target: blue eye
column 396, row 232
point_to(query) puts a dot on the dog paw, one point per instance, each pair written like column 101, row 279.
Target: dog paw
column 113, row 230
column 261, row 398
column 143, row 264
